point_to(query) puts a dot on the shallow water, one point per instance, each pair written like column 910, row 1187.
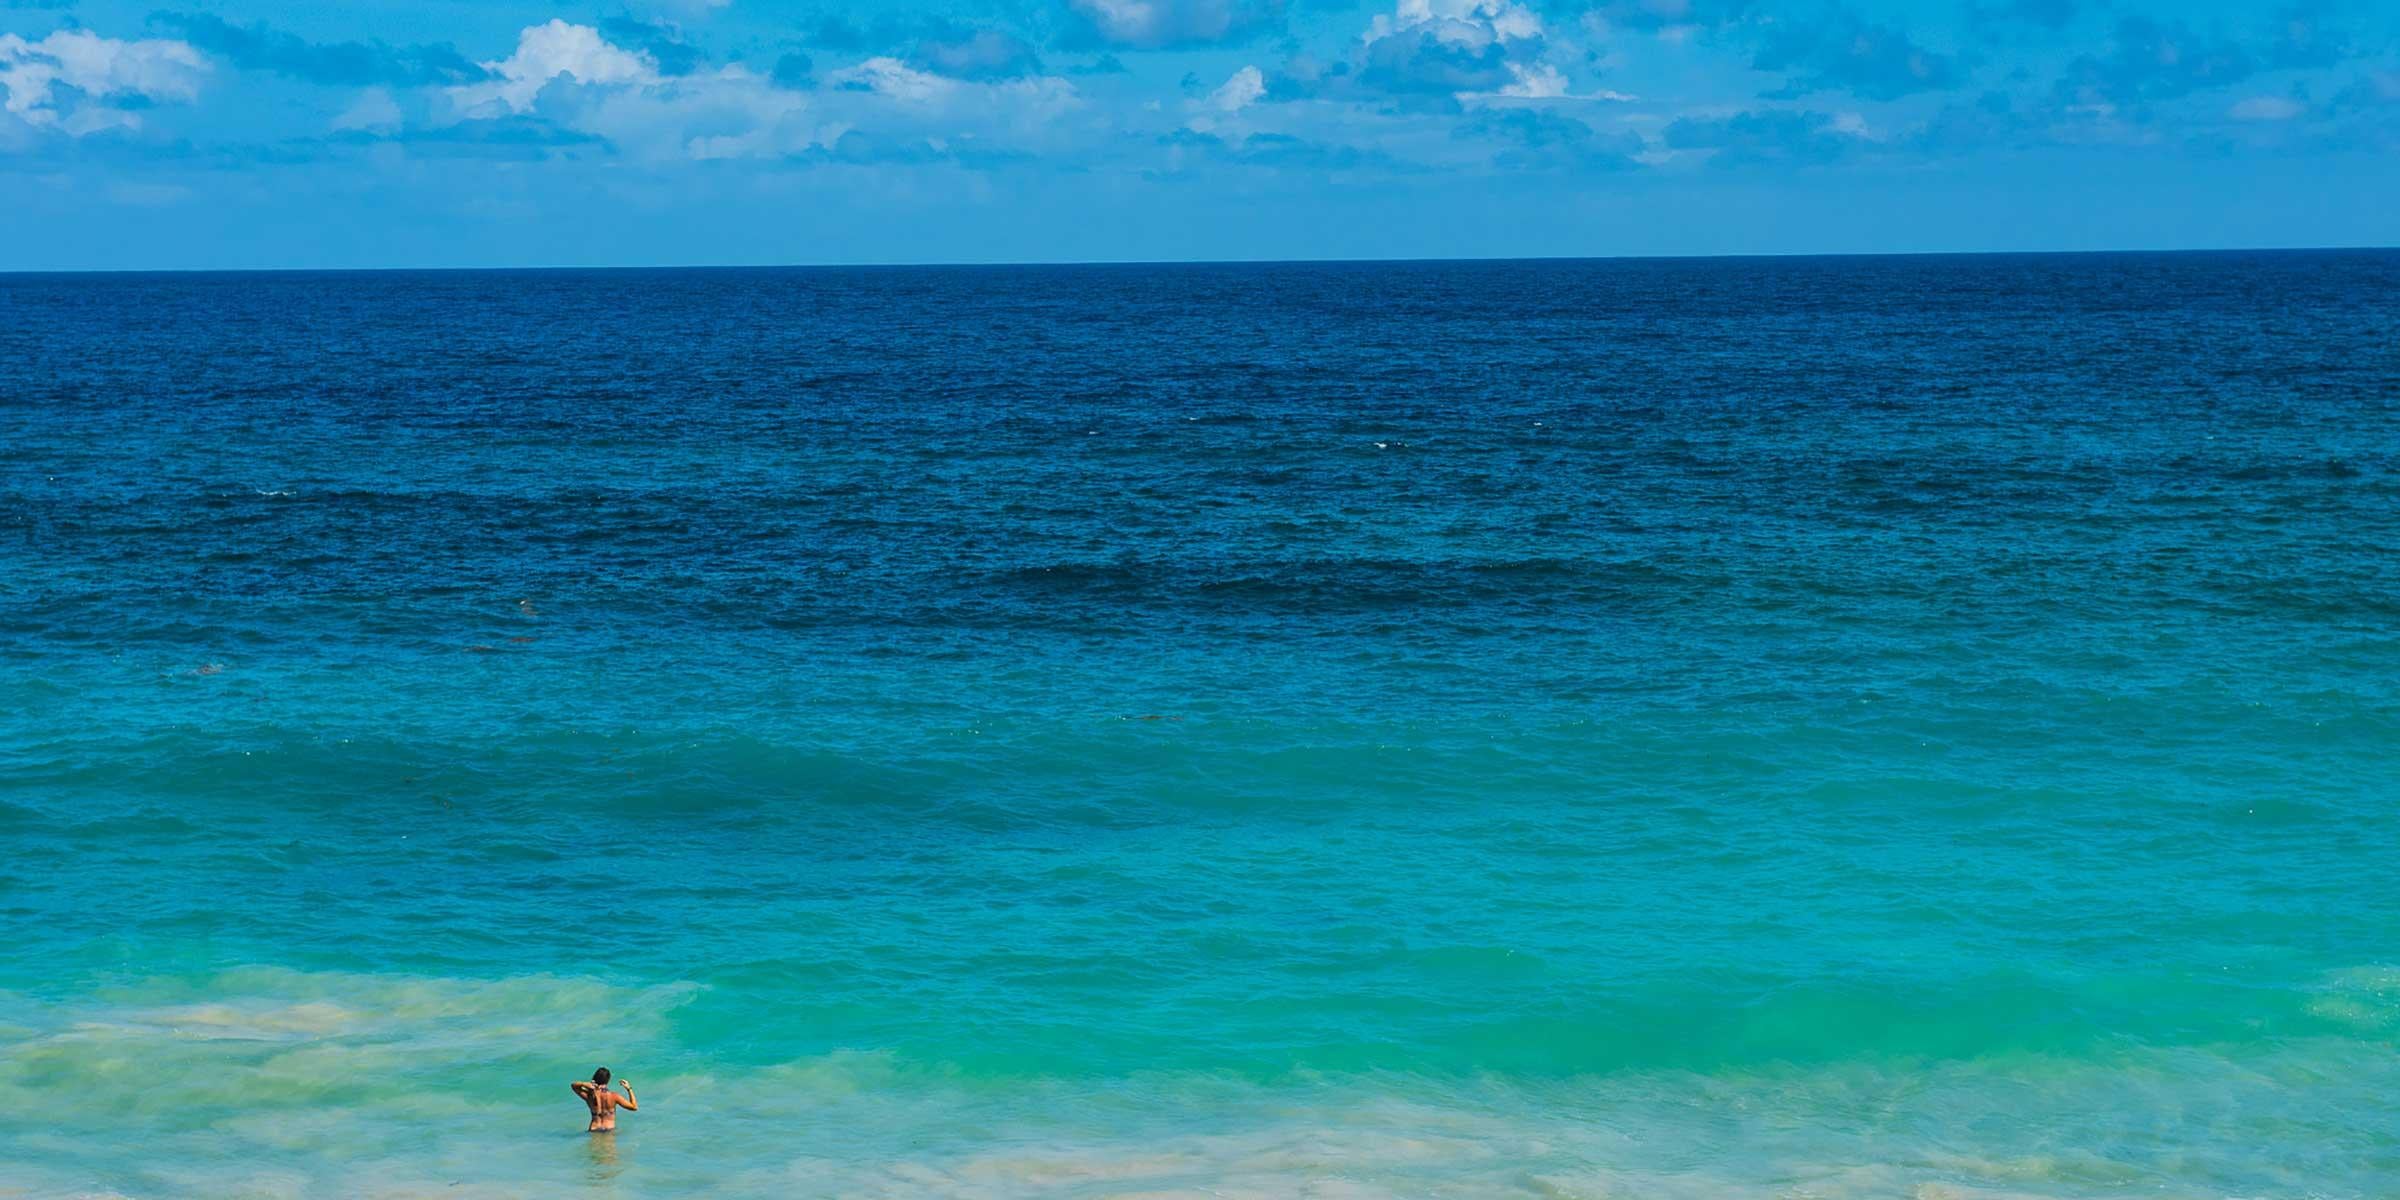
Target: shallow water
column 1809, row 728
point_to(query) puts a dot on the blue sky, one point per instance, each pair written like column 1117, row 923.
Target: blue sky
column 267, row 133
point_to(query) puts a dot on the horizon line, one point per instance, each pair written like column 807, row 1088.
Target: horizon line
column 1004, row 264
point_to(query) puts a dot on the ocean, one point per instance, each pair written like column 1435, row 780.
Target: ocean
column 1814, row 728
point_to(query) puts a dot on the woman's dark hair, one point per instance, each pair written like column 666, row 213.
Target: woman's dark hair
column 600, row 1077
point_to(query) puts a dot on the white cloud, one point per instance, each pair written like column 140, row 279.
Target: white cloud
column 887, row 102
column 731, row 113
column 93, row 118
column 154, row 69
column 1470, row 23
column 1472, row 49
column 2266, row 108
column 645, row 116
column 885, row 94
column 1124, row 20
column 1536, row 81
column 375, row 111
column 890, row 77
column 1154, row 24
column 1238, row 92
column 1542, row 81
column 548, row 51
column 728, row 114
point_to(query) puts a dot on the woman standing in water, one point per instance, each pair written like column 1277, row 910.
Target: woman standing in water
column 603, row 1102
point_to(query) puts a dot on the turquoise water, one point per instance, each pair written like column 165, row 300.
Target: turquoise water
column 1798, row 728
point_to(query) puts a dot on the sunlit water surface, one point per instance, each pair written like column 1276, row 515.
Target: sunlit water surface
column 1803, row 728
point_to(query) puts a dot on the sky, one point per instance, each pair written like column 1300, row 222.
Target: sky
column 171, row 134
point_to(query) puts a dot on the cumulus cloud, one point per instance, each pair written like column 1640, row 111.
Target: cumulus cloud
column 1841, row 52
column 730, row 114
column 1302, row 77
column 551, row 51
column 78, row 82
column 1422, row 61
column 1239, row 91
column 898, row 87
column 1445, row 49
column 887, row 76
column 336, row 64
column 1162, row 24
column 1535, row 81
column 374, row 111
column 663, row 44
column 569, row 88
column 888, row 97
column 1465, row 21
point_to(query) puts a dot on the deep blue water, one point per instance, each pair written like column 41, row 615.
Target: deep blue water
column 1809, row 727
